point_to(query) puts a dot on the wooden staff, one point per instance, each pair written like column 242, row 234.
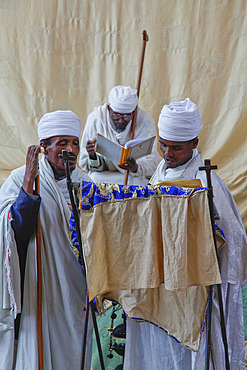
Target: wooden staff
column 132, row 132
column 39, row 284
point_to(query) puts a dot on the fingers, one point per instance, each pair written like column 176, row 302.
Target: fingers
column 32, row 159
column 131, row 160
column 91, row 148
column 32, row 163
column 129, row 165
column 33, row 153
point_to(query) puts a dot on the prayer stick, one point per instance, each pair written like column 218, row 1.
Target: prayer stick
column 132, row 132
column 39, row 284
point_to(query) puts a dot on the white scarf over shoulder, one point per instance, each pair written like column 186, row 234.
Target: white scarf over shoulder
column 165, row 351
column 63, row 287
column 99, row 122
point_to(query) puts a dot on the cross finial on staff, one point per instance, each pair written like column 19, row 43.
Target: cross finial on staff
column 208, row 168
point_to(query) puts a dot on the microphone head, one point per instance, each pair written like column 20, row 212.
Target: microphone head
column 67, row 156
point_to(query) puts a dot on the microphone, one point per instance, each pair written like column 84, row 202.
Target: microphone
column 67, row 156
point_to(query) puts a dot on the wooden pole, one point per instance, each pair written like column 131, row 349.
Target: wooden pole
column 208, row 168
column 39, row 284
column 132, row 132
column 65, row 157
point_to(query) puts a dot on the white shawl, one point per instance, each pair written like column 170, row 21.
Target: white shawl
column 156, row 349
column 98, row 122
column 63, row 284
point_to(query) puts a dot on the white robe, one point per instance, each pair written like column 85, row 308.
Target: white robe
column 63, row 284
column 148, row 347
column 99, row 122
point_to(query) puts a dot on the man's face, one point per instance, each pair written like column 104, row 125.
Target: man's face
column 120, row 120
column 59, row 143
column 176, row 153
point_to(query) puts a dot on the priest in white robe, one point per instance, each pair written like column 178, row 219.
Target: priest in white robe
column 114, row 121
column 149, row 347
column 63, row 284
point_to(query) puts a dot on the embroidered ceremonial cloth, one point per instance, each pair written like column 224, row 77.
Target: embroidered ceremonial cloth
column 151, row 249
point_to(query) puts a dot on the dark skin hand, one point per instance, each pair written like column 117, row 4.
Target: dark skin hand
column 129, row 165
column 32, row 160
column 91, row 149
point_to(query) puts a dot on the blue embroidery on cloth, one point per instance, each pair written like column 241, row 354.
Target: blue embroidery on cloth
column 95, row 194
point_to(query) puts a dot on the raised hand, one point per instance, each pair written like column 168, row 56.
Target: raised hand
column 32, row 162
column 91, row 148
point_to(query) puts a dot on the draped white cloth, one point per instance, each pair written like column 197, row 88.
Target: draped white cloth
column 147, row 346
column 99, row 122
column 63, row 286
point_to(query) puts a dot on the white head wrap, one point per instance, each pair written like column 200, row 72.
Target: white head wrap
column 179, row 121
column 123, row 99
column 59, row 123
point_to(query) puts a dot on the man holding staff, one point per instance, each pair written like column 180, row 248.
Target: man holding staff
column 149, row 347
column 114, row 121
column 63, row 284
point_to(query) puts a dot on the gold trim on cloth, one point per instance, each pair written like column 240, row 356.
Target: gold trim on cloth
column 155, row 256
column 193, row 184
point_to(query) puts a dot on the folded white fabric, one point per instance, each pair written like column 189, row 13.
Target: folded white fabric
column 123, row 99
column 179, row 121
column 59, row 123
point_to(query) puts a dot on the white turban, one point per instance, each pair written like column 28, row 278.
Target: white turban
column 179, row 121
column 59, row 123
column 123, row 99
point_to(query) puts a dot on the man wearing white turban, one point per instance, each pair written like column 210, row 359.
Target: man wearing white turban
column 63, row 286
column 149, row 347
column 114, row 121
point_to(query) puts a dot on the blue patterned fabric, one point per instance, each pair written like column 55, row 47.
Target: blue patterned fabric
column 92, row 194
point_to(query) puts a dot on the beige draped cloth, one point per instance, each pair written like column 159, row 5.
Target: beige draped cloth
column 155, row 256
